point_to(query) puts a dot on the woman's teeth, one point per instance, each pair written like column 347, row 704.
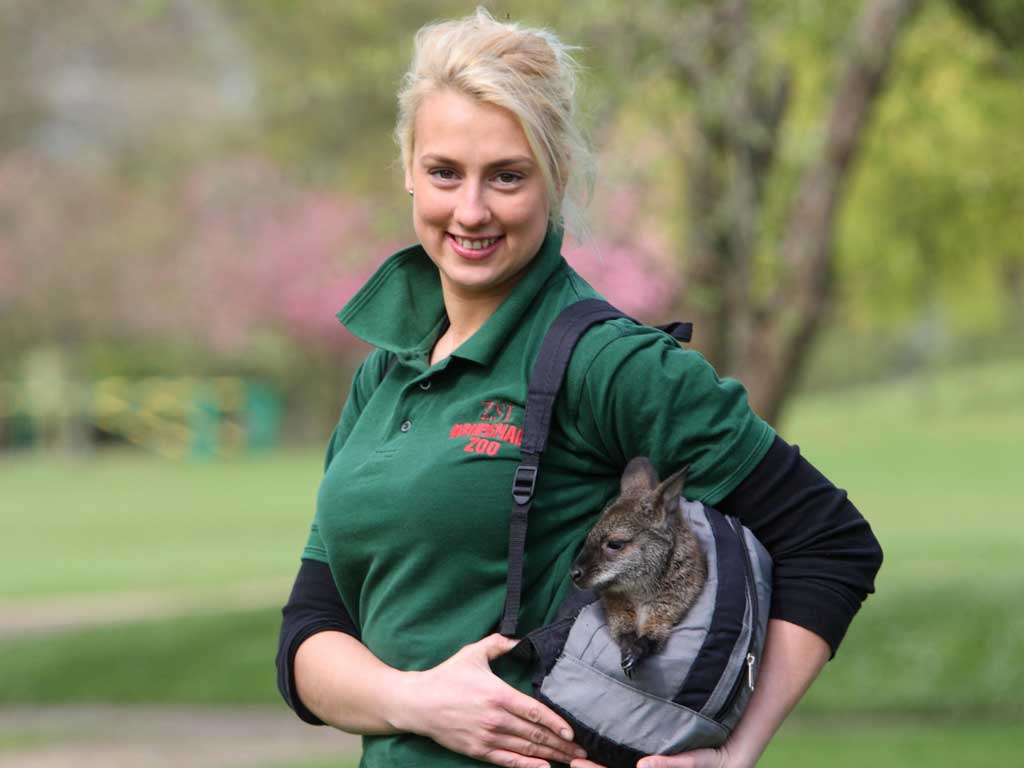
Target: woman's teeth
column 476, row 245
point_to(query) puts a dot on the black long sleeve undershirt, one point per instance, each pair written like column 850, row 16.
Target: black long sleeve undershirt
column 824, row 553
column 314, row 606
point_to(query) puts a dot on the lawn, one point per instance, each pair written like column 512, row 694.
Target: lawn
column 129, row 522
column 931, row 673
column 854, row 744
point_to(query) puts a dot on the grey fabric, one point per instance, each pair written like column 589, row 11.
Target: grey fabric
column 627, row 716
column 587, row 679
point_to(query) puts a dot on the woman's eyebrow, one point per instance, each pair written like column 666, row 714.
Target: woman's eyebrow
column 433, row 159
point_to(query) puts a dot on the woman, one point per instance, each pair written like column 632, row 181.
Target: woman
column 389, row 631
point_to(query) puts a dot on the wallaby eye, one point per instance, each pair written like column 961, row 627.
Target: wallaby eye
column 614, row 544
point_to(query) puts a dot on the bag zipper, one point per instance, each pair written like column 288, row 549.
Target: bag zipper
column 751, row 659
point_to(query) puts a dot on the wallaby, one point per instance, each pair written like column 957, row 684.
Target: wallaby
column 643, row 560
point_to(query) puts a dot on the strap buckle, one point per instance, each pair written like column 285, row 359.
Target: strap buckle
column 524, row 483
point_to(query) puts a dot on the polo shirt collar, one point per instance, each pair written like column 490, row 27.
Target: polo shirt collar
column 401, row 307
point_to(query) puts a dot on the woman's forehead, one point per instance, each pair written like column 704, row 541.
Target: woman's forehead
column 453, row 126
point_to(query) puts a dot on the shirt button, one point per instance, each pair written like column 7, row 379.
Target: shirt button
column 425, row 385
column 406, row 426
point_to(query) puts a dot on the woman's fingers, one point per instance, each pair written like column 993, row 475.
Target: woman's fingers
column 532, row 711
column 494, row 645
column 533, row 750
column 534, row 729
column 584, row 764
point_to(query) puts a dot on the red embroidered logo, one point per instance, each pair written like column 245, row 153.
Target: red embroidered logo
column 494, row 428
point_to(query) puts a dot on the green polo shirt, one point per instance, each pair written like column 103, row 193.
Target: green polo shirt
column 412, row 513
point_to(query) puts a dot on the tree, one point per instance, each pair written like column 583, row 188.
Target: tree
column 758, row 321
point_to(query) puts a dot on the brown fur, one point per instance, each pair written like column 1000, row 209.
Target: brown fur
column 644, row 562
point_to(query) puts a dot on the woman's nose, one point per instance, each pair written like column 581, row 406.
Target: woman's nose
column 472, row 211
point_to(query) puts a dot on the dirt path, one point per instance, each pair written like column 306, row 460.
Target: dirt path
column 159, row 737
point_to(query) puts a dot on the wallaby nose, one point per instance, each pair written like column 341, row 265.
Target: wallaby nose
column 576, row 574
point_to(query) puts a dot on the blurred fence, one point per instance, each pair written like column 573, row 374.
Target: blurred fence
column 174, row 417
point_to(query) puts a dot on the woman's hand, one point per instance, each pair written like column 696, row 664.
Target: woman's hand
column 701, row 758
column 463, row 706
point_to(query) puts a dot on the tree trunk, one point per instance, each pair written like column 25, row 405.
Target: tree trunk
column 780, row 346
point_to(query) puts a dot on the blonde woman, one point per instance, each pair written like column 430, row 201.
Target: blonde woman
column 390, row 629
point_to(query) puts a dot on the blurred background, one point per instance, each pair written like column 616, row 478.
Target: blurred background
column 190, row 189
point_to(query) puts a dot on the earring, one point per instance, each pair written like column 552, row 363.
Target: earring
column 409, row 191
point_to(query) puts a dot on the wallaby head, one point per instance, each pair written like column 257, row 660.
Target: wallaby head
column 629, row 548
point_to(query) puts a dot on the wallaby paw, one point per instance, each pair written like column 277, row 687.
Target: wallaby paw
column 635, row 650
column 629, row 662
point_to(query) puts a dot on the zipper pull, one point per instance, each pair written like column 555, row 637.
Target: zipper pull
column 750, row 670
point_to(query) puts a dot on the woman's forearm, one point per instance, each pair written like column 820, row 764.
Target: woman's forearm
column 792, row 658
column 345, row 685
column 461, row 704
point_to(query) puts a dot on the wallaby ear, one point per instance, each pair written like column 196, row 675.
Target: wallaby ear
column 639, row 475
column 671, row 487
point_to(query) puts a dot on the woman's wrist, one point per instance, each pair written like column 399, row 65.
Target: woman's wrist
column 738, row 754
column 404, row 704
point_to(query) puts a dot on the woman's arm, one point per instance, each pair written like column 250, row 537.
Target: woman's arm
column 344, row 685
column 327, row 675
column 461, row 704
column 793, row 657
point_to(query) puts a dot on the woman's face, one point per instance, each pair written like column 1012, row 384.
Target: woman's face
column 480, row 206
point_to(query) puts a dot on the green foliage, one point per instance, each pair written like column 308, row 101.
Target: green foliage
column 1003, row 19
column 929, row 223
column 329, row 74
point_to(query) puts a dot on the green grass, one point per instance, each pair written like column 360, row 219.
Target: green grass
column 134, row 522
column 935, row 464
column 220, row 659
column 844, row 744
column 929, row 650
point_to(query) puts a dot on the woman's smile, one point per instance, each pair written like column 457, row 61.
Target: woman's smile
column 474, row 247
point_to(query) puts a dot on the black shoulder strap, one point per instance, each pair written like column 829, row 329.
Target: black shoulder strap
column 678, row 331
column 545, row 381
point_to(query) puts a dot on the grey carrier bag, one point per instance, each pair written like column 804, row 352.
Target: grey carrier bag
column 692, row 693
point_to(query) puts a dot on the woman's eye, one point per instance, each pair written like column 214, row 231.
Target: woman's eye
column 444, row 174
column 508, row 177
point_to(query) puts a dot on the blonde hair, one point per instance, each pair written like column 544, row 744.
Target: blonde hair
column 529, row 72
